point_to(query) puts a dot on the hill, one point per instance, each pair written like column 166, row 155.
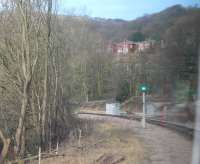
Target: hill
column 152, row 26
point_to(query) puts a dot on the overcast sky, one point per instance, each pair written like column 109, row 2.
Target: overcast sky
column 122, row 9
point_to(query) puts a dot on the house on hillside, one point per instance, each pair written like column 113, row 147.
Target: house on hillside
column 142, row 46
column 125, row 47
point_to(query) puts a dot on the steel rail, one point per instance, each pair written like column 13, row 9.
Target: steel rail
column 189, row 131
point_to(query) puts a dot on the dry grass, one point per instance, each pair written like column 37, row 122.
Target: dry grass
column 106, row 139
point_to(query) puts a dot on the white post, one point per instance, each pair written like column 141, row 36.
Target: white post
column 143, row 107
column 57, row 148
column 39, row 155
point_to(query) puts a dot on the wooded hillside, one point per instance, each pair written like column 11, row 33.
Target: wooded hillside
column 49, row 62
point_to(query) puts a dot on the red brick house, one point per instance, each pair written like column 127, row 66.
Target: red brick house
column 127, row 46
column 123, row 47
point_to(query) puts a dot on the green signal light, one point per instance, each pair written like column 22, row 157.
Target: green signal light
column 144, row 88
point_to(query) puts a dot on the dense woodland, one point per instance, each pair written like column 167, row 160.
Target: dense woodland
column 50, row 61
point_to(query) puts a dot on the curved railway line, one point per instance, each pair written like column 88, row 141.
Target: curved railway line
column 163, row 147
column 168, row 143
column 181, row 128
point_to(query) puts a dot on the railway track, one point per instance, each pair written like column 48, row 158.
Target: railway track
column 181, row 128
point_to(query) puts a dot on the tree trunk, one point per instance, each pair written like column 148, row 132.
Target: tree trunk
column 19, row 131
column 44, row 103
column 27, row 73
column 23, row 146
column 6, row 143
